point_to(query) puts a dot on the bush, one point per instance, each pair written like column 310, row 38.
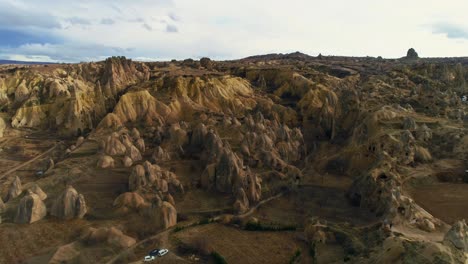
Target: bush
column 178, row 228
column 218, row 258
column 296, row 256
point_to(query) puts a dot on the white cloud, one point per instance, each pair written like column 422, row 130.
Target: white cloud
column 233, row 29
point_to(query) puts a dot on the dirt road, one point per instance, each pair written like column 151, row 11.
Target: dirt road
column 29, row 161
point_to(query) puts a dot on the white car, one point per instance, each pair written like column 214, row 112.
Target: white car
column 155, row 253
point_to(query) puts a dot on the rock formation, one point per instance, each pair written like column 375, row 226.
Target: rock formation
column 163, row 214
column 105, row 162
column 30, row 209
column 15, row 189
column 37, row 190
column 160, row 155
column 412, row 54
column 113, row 146
column 2, row 205
column 129, row 201
column 127, row 162
column 2, row 127
column 458, row 235
column 137, row 178
column 70, row 204
column 112, row 236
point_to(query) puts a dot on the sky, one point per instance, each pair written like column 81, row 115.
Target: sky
column 91, row 30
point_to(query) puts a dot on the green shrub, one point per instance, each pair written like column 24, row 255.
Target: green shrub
column 178, row 228
column 296, row 256
column 218, row 258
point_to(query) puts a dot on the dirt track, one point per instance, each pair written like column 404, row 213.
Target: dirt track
column 28, row 162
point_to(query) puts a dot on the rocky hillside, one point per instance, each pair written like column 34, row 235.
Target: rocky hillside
column 123, row 150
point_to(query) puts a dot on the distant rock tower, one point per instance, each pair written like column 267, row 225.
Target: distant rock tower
column 412, row 54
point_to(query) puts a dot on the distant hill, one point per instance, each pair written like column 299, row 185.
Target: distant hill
column 23, row 62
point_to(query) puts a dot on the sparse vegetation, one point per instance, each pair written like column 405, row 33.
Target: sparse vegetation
column 295, row 257
column 218, row 258
column 257, row 226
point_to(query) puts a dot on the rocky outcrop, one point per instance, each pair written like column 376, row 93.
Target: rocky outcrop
column 412, row 54
column 70, row 204
column 38, row 191
column 112, row 235
column 163, row 214
column 228, row 172
column 15, row 189
column 141, row 106
column 111, row 122
column 2, row 127
column 69, row 253
column 113, row 146
column 30, row 209
column 2, row 206
column 458, row 235
column 106, row 162
column 422, row 154
column 140, row 144
column 129, row 201
column 160, row 155
column 241, row 205
column 137, row 179
column 133, row 153
column 409, row 124
column 127, row 162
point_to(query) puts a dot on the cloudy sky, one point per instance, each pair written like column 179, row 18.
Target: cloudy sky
column 86, row 30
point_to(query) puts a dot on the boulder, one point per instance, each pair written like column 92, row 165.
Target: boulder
column 105, row 162
column 137, row 178
column 15, row 189
column 134, row 153
column 127, row 162
column 458, row 235
column 68, row 205
column 79, row 141
column 30, row 209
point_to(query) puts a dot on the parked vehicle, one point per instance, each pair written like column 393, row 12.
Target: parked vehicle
column 153, row 254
